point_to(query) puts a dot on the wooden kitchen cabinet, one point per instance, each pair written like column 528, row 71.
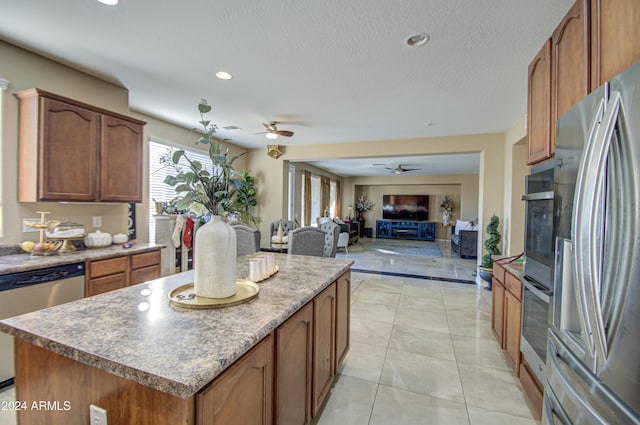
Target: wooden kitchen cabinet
column 539, row 106
column 243, row 394
column 145, row 267
column 615, row 31
column 570, row 63
column 497, row 311
column 324, row 343
column 106, row 275
column 512, row 323
column 343, row 318
column 71, row 151
column 115, row 273
column 294, row 357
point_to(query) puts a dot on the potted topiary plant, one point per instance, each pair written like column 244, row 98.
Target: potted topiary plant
column 485, row 269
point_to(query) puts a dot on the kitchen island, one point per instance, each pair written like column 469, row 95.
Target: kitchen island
column 148, row 362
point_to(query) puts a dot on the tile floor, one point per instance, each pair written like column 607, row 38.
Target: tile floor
column 422, row 351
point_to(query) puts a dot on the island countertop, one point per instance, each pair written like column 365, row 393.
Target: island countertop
column 135, row 332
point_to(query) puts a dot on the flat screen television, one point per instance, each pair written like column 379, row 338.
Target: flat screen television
column 405, row 207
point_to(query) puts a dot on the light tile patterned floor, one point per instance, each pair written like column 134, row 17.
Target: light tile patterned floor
column 422, row 352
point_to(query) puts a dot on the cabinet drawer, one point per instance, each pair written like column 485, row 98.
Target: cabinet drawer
column 145, row 274
column 107, row 267
column 105, row 284
column 498, row 272
column 513, row 285
column 145, row 259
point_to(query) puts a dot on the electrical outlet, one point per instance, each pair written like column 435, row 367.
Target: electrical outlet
column 97, row 415
column 27, row 229
column 97, row 221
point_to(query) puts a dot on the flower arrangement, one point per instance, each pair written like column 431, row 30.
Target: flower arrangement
column 446, row 204
column 364, row 205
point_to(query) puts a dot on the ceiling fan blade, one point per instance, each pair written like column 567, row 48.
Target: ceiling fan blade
column 409, row 169
column 261, row 132
column 285, row 133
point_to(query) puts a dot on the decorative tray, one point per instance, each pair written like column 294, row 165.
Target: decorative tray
column 266, row 276
column 185, row 296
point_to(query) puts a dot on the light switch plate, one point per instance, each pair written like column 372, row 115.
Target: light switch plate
column 97, row 221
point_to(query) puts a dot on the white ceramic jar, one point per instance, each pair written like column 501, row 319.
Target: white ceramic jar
column 97, row 239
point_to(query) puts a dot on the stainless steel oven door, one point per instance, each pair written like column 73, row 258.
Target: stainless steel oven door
column 539, row 243
column 535, row 322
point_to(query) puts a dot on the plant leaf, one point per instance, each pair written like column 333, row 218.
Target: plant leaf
column 177, row 155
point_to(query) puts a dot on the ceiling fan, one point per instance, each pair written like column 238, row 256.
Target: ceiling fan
column 273, row 132
column 399, row 169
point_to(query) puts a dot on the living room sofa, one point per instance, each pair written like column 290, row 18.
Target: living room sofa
column 464, row 239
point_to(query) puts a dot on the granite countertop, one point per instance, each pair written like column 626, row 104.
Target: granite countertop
column 515, row 267
column 25, row 262
column 137, row 334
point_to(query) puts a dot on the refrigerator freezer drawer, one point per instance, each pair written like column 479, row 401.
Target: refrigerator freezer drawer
column 583, row 397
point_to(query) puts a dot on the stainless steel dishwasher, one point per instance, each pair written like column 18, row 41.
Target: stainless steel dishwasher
column 33, row 290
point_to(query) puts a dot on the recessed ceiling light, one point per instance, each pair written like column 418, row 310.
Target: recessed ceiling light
column 272, row 136
column 109, row 2
column 417, row 40
column 223, row 75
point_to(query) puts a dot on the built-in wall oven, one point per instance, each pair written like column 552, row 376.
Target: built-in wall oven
column 537, row 279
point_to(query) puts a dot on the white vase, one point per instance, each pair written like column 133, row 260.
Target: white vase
column 215, row 260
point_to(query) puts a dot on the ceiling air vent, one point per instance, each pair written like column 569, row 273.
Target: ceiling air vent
column 231, row 128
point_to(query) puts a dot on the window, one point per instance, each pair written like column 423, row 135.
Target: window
column 158, row 190
column 333, row 198
column 316, row 208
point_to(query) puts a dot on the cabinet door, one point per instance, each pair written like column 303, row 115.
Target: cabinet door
column 570, row 76
column 104, row 284
column 324, row 339
column 121, row 160
column 243, row 394
column 513, row 316
column 67, row 159
column 343, row 317
column 497, row 311
column 144, row 274
column 615, row 31
column 294, row 355
column 539, row 107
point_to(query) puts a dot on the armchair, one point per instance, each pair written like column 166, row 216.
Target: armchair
column 464, row 239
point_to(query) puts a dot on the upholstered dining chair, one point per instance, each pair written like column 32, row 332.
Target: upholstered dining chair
column 343, row 236
column 332, row 234
column 287, row 226
column 306, row 241
column 247, row 239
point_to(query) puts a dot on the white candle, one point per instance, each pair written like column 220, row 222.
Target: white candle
column 263, row 265
column 271, row 264
column 255, row 272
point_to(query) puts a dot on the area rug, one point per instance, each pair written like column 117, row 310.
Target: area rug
column 400, row 247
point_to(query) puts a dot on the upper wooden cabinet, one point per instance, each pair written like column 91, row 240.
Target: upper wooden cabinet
column 539, row 107
column 71, row 151
column 570, row 63
column 595, row 41
column 615, row 31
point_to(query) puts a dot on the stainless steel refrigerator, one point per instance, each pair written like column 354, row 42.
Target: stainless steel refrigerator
column 593, row 350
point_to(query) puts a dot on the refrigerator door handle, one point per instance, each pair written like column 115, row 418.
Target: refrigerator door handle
column 582, row 215
column 602, row 149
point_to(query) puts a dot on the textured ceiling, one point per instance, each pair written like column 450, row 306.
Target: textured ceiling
column 331, row 71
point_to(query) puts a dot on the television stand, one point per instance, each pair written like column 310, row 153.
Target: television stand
column 406, row 229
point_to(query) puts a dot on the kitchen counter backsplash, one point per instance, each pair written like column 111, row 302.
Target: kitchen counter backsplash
column 14, row 260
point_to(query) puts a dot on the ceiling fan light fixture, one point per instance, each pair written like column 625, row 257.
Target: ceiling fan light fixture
column 109, row 2
column 271, row 136
column 224, row 75
column 417, row 40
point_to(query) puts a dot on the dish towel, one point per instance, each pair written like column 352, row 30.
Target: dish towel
column 177, row 231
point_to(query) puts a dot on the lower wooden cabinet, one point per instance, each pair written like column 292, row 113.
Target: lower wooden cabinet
column 294, row 356
column 531, row 387
column 115, row 273
column 343, row 315
column 497, row 311
column 512, row 321
column 324, row 343
column 243, row 395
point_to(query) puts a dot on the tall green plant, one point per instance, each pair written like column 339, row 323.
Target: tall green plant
column 492, row 243
column 221, row 189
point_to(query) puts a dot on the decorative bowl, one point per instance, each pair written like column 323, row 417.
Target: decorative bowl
column 120, row 238
column 97, row 239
